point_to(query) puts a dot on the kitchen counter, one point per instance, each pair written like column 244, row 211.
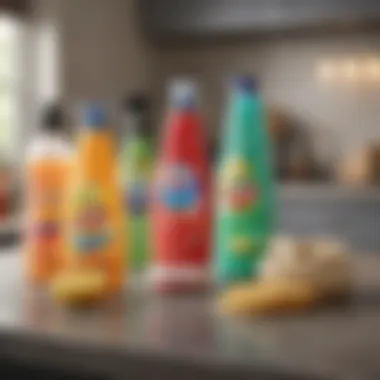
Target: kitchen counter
column 146, row 336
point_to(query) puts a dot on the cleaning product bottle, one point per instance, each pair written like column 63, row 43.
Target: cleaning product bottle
column 245, row 206
column 48, row 161
column 136, row 171
column 181, row 209
column 95, row 233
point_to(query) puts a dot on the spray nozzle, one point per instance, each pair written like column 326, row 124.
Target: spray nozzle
column 247, row 83
column 95, row 116
column 183, row 94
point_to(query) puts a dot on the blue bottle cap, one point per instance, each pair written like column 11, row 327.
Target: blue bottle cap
column 247, row 83
column 183, row 94
column 95, row 116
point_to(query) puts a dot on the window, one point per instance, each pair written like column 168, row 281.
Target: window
column 9, row 84
column 29, row 77
column 47, row 85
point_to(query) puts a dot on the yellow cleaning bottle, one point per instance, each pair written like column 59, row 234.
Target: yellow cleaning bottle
column 95, row 220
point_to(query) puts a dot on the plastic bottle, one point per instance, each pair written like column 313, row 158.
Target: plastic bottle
column 245, row 206
column 95, row 219
column 181, row 209
column 136, row 170
column 48, row 161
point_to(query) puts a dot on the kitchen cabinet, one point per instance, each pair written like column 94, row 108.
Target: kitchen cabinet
column 181, row 19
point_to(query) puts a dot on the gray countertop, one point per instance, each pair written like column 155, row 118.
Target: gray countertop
column 145, row 335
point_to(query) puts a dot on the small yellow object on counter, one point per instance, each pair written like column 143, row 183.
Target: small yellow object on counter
column 269, row 297
column 296, row 276
column 79, row 287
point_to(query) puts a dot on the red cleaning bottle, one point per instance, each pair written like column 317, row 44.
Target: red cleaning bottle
column 181, row 206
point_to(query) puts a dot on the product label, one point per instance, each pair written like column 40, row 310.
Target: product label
column 238, row 192
column 91, row 223
column 46, row 212
column 179, row 189
column 137, row 197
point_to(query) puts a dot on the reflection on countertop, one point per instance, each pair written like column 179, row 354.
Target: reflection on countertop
column 140, row 328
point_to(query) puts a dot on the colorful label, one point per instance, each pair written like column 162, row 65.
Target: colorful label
column 91, row 223
column 136, row 172
column 45, row 231
column 137, row 197
column 238, row 190
column 46, row 205
column 179, row 189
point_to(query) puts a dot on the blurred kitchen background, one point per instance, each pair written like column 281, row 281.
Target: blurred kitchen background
column 318, row 63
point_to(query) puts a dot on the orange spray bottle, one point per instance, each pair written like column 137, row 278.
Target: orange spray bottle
column 48, row 161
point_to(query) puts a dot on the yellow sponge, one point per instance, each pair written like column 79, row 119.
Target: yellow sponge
column 269, row 297
column 80, row 287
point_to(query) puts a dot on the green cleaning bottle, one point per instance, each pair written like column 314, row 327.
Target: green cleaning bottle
column 136, row 168
column 245, row 200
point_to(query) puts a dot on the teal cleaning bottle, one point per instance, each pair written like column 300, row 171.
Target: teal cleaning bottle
column 136, row 170
column 245, row 190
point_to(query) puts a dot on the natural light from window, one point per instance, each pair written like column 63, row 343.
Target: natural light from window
column 9, row 83
column 47, row 85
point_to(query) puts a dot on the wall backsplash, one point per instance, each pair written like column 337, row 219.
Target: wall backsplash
column 103, row 52
column 343, row 117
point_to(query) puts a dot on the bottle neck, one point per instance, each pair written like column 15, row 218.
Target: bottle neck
column 242, row 123
column 51, row 133
column 137, row 124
